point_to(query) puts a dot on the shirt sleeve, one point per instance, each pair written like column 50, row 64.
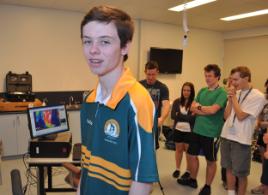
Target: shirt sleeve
column 221, row 99
column 197, row 98
column 174, row 109
column 254, row 105
column 164, row 93
column 142, row 157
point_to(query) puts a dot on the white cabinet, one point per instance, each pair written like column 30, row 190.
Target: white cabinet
column 14, row 133
column 75, row 127
column 23, row 133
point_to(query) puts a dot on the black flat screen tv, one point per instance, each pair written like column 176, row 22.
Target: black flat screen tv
column 169, row 60
column 45, row 122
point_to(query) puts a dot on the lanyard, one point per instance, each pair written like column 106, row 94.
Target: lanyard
column 242, row 100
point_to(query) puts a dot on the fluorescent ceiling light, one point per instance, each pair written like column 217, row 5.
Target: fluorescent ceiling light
column 246, row 15
column 190, row 5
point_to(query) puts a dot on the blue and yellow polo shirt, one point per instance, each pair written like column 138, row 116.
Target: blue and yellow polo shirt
column 117, row 139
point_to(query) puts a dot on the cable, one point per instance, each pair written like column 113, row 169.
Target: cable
column 161, row 187
column 31, row 178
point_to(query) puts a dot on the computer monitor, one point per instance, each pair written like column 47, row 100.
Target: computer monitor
column 45, row 122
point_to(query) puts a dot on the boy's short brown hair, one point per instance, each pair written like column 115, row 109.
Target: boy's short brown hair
column 243, row 71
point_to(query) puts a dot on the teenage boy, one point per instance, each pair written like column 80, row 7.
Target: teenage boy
column 244, row 105
column 209, row 108
column 117, row 117
column 159, row 93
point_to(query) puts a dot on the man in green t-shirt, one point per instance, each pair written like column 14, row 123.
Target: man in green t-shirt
column 209, row 109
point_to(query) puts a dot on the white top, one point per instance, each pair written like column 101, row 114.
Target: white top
column 99, row 97
column 183, row 126
column 242, row 131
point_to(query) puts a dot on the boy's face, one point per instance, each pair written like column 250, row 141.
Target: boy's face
column 101, row 45
column 210, row 78
column 151, row 75
column 238, row 82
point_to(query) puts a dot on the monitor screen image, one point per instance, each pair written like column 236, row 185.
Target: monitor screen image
column 47, row 120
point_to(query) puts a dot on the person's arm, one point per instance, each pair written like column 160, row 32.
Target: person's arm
column 263, row 124
column 175, row 109
column 141, row 156
column 164, row 112
column 228, row 109
column 209, row 110
column 75, row 173
column 138, row 188
column 240, row 115
column 198, row 109
column 185, row 117
column 265, row 140
column 78, row 188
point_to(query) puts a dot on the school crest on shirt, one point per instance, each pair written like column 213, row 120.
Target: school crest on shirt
column 111, row 130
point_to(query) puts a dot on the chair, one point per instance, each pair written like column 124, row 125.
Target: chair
column 16, row 182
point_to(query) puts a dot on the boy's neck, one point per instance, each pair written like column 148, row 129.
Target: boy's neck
column 246, row 87
column 109, row 81
column 214, row 86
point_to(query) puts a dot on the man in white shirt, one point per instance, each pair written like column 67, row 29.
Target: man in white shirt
column 242, row 110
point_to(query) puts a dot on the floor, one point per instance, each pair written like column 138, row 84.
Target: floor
column 166, row 166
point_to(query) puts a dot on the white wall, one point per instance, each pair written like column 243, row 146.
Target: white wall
column 204, row 47
column 251, row 52
column 47, row 43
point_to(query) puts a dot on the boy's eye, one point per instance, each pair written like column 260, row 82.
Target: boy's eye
column 86, row 42
column 105, row 42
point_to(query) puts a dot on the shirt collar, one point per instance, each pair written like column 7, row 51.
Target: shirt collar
column 123, row 85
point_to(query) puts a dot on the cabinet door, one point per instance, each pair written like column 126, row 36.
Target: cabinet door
column 8, row 134
column 23, row 135
column 74, row 122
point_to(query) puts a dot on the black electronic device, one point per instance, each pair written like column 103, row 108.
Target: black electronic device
column 20, row 97
column 77, row 152
column 19, row 87
column 47, row 120
column 60, row 147
column 169, row 60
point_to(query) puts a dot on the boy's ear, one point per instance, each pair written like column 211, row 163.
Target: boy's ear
column 125, row 50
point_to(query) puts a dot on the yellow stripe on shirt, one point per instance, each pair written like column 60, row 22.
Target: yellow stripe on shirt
column 107, row 169
column 107, row 174
column 144, row 107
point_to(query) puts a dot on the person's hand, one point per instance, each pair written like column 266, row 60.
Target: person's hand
column 160, row 122
column 231, row 91
column 194, row 107
column 265, row 154
column 195, row 104
column 73, row 177
column 265, row 138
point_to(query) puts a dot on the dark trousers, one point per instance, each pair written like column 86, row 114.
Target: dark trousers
column 156, row 136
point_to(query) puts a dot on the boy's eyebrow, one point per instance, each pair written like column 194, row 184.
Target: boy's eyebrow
column 107, row 36
column 102, row 37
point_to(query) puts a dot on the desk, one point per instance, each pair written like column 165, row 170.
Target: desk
column 41, row 164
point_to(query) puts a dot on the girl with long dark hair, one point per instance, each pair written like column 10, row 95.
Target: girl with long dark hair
column 183, row 125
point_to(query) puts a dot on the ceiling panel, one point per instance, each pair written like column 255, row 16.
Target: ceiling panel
column 206, row 16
